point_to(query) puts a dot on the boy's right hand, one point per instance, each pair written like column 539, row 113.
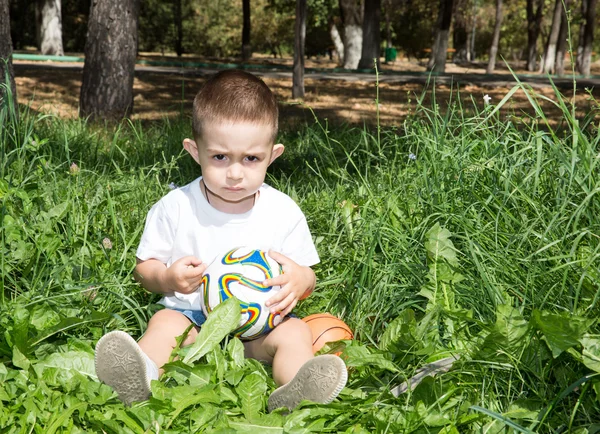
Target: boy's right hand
column 184, row 275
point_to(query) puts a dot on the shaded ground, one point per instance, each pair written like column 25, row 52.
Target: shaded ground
column 336, row 96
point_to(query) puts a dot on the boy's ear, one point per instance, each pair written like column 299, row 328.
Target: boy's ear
column 192, row 148
column 277, row 151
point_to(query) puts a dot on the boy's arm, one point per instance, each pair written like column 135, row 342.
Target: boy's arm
column 182, row 276
column 297, row 282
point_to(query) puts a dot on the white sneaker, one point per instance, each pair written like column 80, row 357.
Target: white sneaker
column 320, row 380
column 121, row 363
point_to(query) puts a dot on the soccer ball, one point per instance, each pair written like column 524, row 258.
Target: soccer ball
column 239, row 274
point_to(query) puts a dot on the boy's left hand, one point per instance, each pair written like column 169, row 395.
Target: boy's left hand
column 295, row 281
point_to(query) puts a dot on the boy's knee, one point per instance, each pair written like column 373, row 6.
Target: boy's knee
column 295, row 329
column 170, row 323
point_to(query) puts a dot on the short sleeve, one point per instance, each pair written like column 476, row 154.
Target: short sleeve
column 158, row 236
column 298, row 244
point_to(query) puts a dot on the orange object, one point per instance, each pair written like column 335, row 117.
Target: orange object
column 327, row 328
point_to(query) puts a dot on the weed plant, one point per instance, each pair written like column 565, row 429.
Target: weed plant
column 476, row 237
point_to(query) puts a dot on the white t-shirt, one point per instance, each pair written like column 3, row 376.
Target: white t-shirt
column 183, row 223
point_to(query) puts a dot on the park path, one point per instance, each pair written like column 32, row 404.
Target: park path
column 386, row 76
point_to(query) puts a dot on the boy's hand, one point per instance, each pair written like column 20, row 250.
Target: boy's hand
column 295, row 282
column 184, row 275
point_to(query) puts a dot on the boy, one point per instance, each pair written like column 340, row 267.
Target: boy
column 235, row 120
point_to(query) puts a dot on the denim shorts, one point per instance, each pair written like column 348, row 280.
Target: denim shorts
column 195, row 316
column 198, row 317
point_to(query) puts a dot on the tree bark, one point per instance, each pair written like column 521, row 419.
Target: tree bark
column 534, row 24
column 49, row 27
column 584, row 5
column 371, row 44
column 246, row 46
column 437, row 61
column 178, row 27
column 561, row 48
column 460, row 34
column 588, row 38
column 300, row 36
column 388, row 24
column 495, row 39
column 7, row 76
column 550, row 52
column 337, row 42
column 110, row 54
column 352, row 17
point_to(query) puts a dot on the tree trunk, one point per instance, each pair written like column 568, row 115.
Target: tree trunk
column 49, row 27
column 495, row 38
column 300, row 36
column 388, row 24
column 337, row 42
column 437, row 61
column 534, row 24
column 584, row 5
column 110, row 54
column 246, row 47
column 460, row 34
column 561, row 48
column 588, row 37
column 352, row 17
column 550, row 52
column 178, row 27
column 7, row 76
column 472, row 55
column 371, row 31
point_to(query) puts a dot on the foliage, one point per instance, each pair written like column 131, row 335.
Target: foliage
column 453, row 235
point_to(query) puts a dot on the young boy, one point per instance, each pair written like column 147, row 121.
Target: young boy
column 235, row 122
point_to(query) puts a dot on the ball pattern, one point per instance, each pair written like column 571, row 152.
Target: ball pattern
column 327, row 328
column 239, row 274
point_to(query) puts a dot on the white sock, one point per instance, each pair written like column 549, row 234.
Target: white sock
column 151, row 368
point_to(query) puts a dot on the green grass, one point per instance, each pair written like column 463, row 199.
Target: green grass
column 476, row 236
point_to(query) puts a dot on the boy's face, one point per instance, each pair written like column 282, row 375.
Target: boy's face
column 234, row 158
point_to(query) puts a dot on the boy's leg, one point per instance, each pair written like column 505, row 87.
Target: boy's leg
column 286, row 348
column 301, row 375
column 128, row 366
column 159, row 340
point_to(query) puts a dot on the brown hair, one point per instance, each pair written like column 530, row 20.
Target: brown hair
column 235, row 96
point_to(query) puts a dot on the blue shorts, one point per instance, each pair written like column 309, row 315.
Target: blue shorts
column 198, row 317
column 195, row 316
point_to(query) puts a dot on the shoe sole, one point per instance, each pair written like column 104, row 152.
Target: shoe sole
column 120, row 363
column 319, row 380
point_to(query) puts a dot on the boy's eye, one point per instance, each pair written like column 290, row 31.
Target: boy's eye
column 252, row 158
column 219, row 157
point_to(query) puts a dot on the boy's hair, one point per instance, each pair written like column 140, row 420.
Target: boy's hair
column 235, row 96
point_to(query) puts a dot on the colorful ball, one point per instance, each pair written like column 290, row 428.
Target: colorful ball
column 239, row 274
column 327, row 328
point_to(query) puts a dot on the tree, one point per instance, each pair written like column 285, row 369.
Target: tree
column 495, row 38
column 371, row 43
column 177, row 18
column 49, row 27
column 110, row 54
column 298, row 71
column 460, row 33
column 6, row 66
column 337, row 41
column 550, row 52
column 437, row 61
column 246, row 47
column 584, row 50
column 351, row 12
column 534, row 24
column 562, row 40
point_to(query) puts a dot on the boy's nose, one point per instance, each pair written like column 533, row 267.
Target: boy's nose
column 235, row 172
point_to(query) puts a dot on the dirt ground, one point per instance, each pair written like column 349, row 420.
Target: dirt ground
column 161, row 92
